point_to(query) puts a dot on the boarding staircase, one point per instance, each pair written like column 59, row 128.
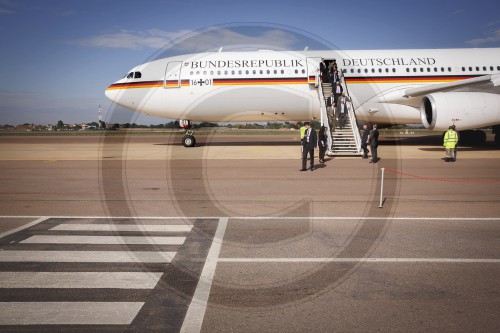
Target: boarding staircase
column 345, row 141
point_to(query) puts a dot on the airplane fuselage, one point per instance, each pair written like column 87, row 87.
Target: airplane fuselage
column 283, row 85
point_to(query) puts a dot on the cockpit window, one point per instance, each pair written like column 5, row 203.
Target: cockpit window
column 137, row 75
column 130, row 75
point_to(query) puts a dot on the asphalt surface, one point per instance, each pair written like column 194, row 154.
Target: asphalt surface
column 268, row 248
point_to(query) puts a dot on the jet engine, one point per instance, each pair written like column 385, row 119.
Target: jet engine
column 467, row 110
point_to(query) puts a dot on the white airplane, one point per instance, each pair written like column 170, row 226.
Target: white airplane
column 436, row 88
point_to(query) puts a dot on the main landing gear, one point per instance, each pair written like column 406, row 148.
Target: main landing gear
column 188, row 140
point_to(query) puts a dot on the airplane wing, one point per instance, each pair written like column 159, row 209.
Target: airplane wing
column 486, row 83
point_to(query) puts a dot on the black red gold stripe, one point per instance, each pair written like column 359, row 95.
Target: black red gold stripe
column 407, row 79
column 259, row 81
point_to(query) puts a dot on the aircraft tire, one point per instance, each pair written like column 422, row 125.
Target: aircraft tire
column 188, row 141
column 479, row 137
column 497, row 139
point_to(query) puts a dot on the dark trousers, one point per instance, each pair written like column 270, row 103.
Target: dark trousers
column 342, row 120
column 322, row 151
column 307, row 149
column 365, row 150
column 374, row 154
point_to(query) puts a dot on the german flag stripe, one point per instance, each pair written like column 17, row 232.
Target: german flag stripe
column 147, row 84
column 406, row 79
column 259, row 81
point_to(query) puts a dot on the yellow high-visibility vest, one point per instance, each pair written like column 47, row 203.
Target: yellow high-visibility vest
column 302, row 132
column 450, row 139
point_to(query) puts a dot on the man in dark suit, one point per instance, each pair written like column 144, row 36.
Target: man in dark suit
column 373, row 141
column 330, row 108
column 337, row 90
column 308, row 144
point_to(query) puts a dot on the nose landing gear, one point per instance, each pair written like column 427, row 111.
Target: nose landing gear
column 188, row 140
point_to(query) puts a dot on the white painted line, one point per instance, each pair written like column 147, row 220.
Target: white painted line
column 38, row 220
column 196, row 311
column 368, row 260
column 115, row 280
column 68, row 313
column 114, row 240
column 266, row 218
column 87, row 256
column 125, row 227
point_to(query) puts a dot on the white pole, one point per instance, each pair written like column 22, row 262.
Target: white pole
column 381, row 189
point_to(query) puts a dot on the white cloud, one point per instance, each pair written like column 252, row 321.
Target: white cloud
column 494, row 38
column 189, row 41
column 134, row 40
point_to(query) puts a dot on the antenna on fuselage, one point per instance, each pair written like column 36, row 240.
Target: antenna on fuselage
column 306, row 48
column 220, row 50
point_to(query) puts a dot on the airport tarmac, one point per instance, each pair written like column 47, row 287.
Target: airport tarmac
column 229, row 236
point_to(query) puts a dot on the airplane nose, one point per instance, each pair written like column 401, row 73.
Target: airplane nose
column 111, row 93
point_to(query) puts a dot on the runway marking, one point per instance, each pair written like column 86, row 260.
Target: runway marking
column 196, row 311
column 115, row 280
column 260, row 218
column 26, row 226
column 367, row 260
column 114, row 240
column 124, row 227
column 68, row 313
column 87, row 256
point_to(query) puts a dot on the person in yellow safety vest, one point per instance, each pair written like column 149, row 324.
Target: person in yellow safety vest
column 450, row 143
column 302, row 132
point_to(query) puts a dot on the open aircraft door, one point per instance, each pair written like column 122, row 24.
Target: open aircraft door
column 313, row 73
column 173, row 75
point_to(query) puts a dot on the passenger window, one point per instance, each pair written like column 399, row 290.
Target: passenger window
column 394, row 70
column 225, row 72
column 261, row 71
column 380, row 70
column 247, row 71
column 428, row 69
column 498, row 68
column 470, row 69
column 477, row 68
column 366, row 70
column 254, row 71
column 130, row 75
column 282, row 71
column 421, row 69
column 211, row 72
column 387, row 70
column 414, row 70
column 296, row 71
column 435, row 69
column 232, row 72
column 449, row 69
column 359, row 70
column 442, row 69
column 463, row 69
column 204, row 72
column 240, row 72
column 407, row 70
column 491, row 68
column 484, row 68
column 197, row 72
column 218, row 72
column 191, row 73
column 303, row 71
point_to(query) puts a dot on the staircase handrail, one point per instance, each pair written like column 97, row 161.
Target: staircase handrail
column 324, row 115
column 352, row 114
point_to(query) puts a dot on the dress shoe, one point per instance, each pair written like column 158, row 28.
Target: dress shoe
column 303, row 170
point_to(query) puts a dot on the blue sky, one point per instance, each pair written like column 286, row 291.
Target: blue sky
column 59, row 56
